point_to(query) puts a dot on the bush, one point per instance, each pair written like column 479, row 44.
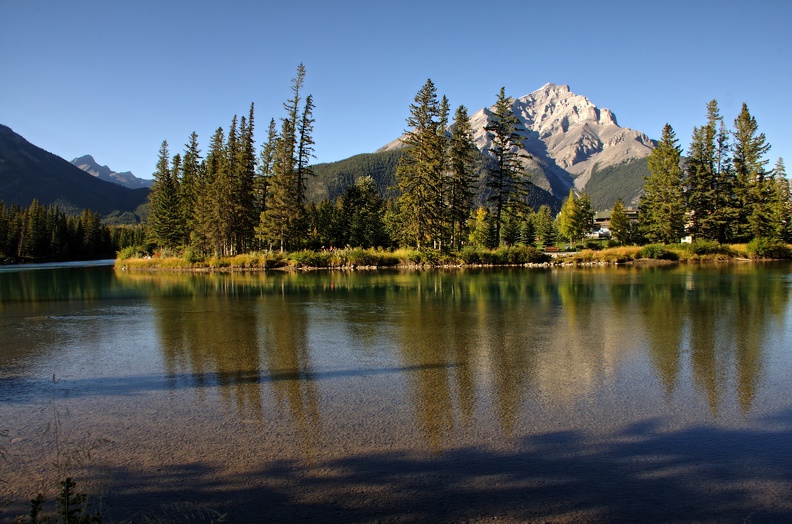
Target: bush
column 703, row 247
column 132, row 252
column 309, row 258
column 657, row 252
column 768, row 248
column 362, row 257
column 593, row 245
column 470, row 255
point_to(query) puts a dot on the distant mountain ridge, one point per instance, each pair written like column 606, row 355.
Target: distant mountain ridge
column 29, row 172
column 569, row 140
column 126, row 178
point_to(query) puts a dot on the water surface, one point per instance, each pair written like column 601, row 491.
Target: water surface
column 555, row 395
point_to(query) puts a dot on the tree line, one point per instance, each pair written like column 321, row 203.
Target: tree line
column 448, row 193
column 47, row 233
column 234, row 201
column 722, row 191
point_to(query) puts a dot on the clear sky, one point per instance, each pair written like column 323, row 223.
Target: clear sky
column 114, row 78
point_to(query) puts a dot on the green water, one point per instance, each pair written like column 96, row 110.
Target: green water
column 686, row 367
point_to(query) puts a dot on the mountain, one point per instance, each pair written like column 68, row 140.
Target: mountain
column 126, row 179
column 28, row 172
column 573, row 144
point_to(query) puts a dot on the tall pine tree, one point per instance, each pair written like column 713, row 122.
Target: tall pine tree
column 419, row 174
column 662, row 208
column 507, row 182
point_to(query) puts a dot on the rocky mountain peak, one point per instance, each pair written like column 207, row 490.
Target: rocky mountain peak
column 126, row 178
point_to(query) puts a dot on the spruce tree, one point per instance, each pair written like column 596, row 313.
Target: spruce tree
column 164, row 208
column 709, row 180
column 280, row 222
column 662, row 208
column 264, row 169
column 507, row 181
column 462, row 157
column 419, row 174
column 756, row 192
column 619, row 223
column 188, row 187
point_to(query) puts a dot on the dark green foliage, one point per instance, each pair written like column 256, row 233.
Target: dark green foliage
column 332, row 179
column 544, row 226
column 41, row 234
column 625, row 181
column 420, row 173
column 507, row 182
column 517, row 255
column 705, row 247
column 620, row 225
column 165, row 212
column 462, row 166
column 662, row 209
column 361, row 216
column 658, row 252
column 762, row 247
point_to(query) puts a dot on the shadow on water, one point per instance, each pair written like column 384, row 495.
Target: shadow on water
column 134, row 385
column 643, row 474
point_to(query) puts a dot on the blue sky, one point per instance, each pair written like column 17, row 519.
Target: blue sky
column 114, row 78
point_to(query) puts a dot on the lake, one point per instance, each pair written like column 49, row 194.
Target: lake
column 552, row 395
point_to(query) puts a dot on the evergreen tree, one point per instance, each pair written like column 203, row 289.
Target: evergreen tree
column 662, row 208
column 507, row 182
column 785, row 200
column 264, row 169
column 362, row 214
column 280, row 222
column 462, row 157
column 203, row 235
column 709, row 181
column 188, row 187
column 544, row 225
column 244, row 213
column 419, row 174
column 756, row 192
column 164, row 208
column 619, row 223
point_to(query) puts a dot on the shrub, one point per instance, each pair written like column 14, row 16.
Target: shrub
column 470, row 255
column 362, row 257
column 768, row 248
column 309, row 258
column 658, row 252
column 703, row 247
column 131, row 252
column 593, row 245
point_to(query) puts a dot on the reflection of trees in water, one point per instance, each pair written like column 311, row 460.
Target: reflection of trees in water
column 212, row 341
column 284, row 330
column 474, row 340
column 726, row 312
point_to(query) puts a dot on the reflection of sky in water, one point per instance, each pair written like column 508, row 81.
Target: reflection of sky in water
column 333, row 363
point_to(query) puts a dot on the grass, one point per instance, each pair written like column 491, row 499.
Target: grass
column 353, row 258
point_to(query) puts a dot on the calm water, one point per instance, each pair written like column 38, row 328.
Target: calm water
column 653, row 394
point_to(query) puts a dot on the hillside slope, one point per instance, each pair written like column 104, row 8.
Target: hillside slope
column 29, row 172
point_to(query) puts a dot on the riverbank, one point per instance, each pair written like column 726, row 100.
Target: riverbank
column 357, row 258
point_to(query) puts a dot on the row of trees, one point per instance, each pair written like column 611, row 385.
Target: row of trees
column 46, row 233
column 439, row 172
column 722, row 192
column 232, row 201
